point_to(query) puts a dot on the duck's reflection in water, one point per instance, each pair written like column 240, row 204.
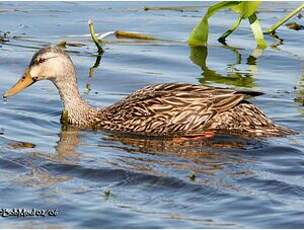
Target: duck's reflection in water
column 36, row 174
column 203, row 158
column 148, row 156
column 66, row 148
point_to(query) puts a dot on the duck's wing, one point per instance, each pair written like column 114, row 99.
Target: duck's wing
column 168, row 110
column 185, row 87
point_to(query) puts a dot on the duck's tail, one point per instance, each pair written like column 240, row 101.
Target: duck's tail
column 246, row 119
column 273, row 130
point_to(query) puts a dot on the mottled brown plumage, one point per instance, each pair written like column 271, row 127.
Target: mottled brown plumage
column 176, row 109
column 162, row 110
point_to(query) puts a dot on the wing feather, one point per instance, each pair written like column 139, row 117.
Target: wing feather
column 169, row 109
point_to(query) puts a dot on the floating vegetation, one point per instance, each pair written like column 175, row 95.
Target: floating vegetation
column 99, row 40
column 133, row 35
column 107, row 193
column 192, row 176
column 21, row 145
column 4, row 36
column 174, row 8
column 64, row 44
column 294, row 26
column 12, row 10
column 61, row 44
column 127, row 34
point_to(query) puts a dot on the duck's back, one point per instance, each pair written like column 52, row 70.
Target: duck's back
column 187, row 110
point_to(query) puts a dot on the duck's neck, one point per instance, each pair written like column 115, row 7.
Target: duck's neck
column 75, row 110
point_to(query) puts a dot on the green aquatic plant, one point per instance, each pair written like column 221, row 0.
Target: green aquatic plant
column 97, row 42
column 273, row 28
column 246, row 10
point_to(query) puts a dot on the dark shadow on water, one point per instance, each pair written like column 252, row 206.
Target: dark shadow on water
column 198, row 56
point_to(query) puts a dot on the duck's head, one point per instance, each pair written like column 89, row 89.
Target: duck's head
column 50, row 63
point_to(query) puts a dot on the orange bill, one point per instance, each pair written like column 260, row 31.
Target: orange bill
column 23, row 83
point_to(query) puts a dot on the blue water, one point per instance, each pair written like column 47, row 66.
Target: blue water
column 100, row 180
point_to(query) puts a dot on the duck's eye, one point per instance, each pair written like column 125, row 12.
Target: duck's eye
column 39, row 61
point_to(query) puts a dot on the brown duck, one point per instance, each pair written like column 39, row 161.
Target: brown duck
column 162, row 110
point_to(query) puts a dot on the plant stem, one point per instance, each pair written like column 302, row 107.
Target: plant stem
column 94, row 38
column 232, row 28
column 257, row 31
column 283, row 20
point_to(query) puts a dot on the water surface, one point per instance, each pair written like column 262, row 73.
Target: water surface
column 95, row 179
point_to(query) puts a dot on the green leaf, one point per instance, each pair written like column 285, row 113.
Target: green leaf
column 199, row 35
column 246, row 9
column 257, row 31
